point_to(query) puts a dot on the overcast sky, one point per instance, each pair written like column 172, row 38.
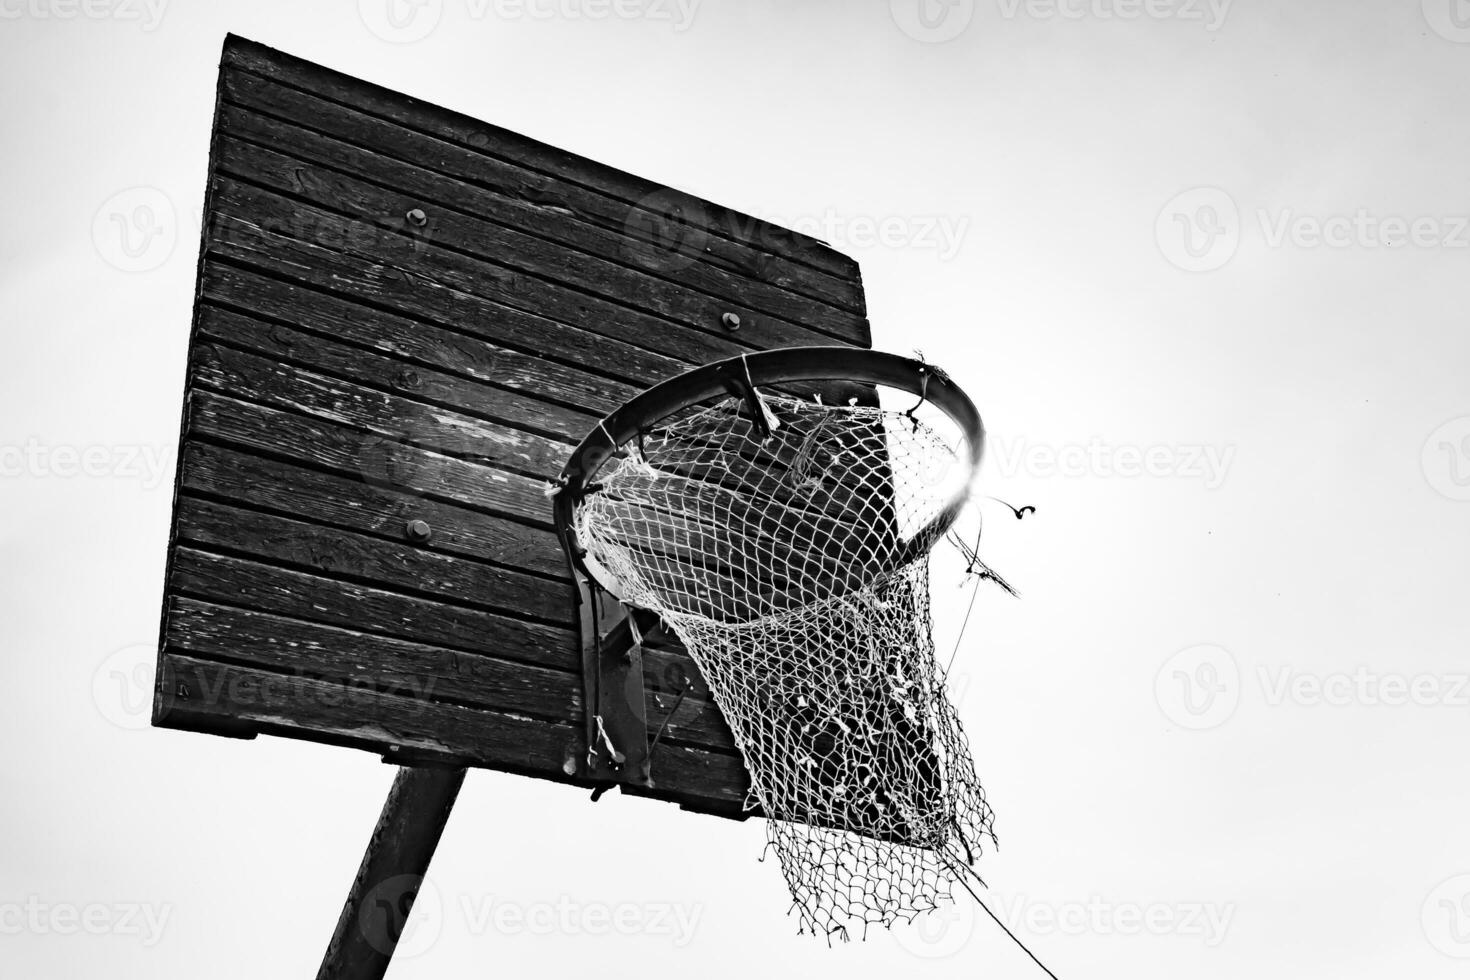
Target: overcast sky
column 1201, row 265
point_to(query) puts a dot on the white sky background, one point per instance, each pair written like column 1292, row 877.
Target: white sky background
column 1328, row 538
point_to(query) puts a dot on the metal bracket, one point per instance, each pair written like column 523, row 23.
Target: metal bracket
column 612, row 683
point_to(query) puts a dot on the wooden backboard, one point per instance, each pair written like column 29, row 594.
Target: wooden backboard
column 405, row 320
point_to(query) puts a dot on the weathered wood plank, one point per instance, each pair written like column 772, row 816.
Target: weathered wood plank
column 493, row 445
column 376, row 621
column 453, row 223
column 375, row 284
column 194, row 692
column 357, row 505
column 417, row 670
column 425, row 262
column 386, row 457
column 694, row 722
column 285, row 346
column 263, row 587
column 741, row 242
column 308, row 494
column 669, row 670
column 416, row 341
column 276, row 701
column 401, row 565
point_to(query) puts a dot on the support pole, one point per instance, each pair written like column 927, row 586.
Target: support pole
column 392, row 870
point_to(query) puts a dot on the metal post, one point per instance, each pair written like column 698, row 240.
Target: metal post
column 392, row 870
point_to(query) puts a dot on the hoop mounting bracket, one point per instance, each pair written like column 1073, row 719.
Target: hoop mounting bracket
column 612, row 684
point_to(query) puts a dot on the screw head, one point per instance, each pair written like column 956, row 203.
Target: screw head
column 730, row 321
column 419, row 531
column 417, row 217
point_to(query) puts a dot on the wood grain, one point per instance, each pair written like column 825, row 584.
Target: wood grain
column 352, row 371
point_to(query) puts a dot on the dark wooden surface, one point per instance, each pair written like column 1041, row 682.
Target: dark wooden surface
column 352, row 370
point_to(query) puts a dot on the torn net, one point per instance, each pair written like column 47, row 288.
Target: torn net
column 795, row 570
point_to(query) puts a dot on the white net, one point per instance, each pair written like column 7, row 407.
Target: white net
column 795, row 569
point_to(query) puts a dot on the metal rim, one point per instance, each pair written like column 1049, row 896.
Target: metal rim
column 735, row 375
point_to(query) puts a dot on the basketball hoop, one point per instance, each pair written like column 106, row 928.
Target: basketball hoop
column 786, row 541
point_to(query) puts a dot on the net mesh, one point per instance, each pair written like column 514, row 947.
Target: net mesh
column 794, row 567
